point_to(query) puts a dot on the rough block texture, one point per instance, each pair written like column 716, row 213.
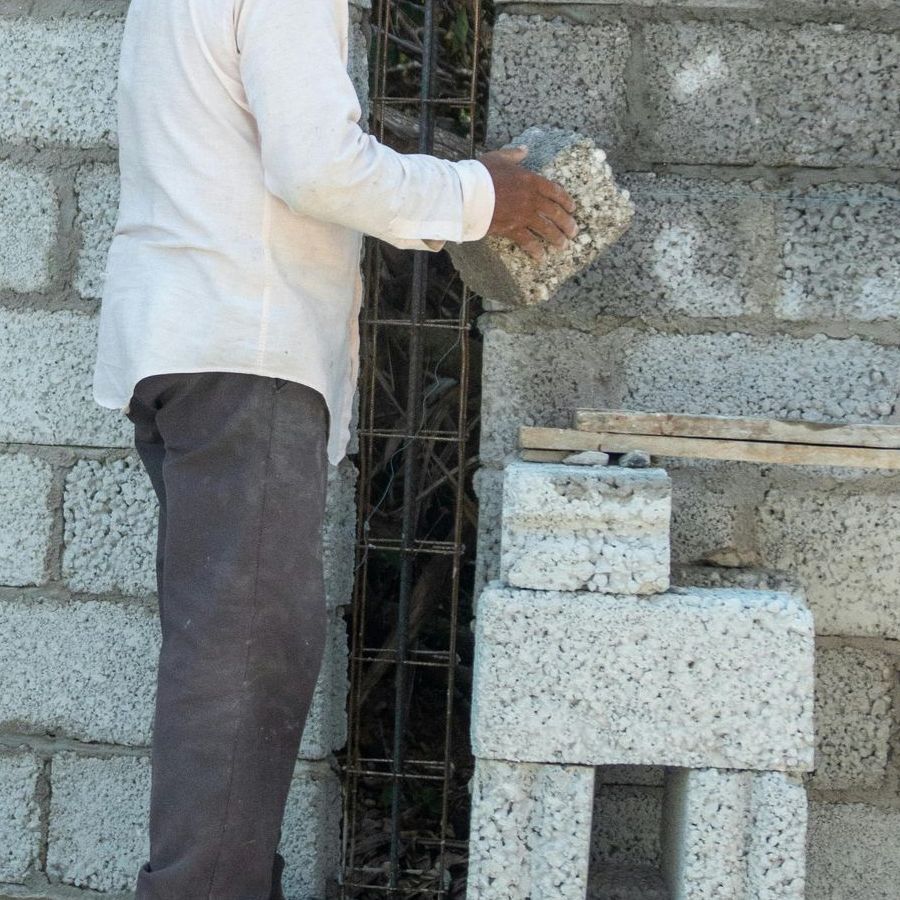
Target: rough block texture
column 97, row 190
column 487, row 482
column 625, row 826
column 60, row 80
column 818, row 95
column 627, row 883
column 585, row 528
column 694, row 677
column 505, row 275
column 853, row 718
column 854, row 852
column 529, row 85
column 530, row 832
column 46, row 365
column 20, row 817
column 842, row 548
column 26, row 519
column 734, row 834
column 28, row 214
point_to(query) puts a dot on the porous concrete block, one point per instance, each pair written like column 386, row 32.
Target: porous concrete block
column 841, row 547
column 853, row 715
column 326, row 723
column 625, row 826
column 530, row 831
column 99, row 807
column 693, row 677
column 28, row 223
column 46, row 369
column 727, row 92
column 20, row 815
column 339, row 534
column 585, row 528
column 840, row 253
column 358, row 59
column 853, row 852
column 97, row 192
column 26, row 518
column 487, row 482
column 734, row 834
column 627, row 883
column 59, row 80
column 559, row 73
column 502, row 273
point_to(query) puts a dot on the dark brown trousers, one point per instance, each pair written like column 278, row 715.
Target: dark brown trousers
column 239, row 465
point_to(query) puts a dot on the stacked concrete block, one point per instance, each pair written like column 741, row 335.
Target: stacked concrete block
column 20, row 819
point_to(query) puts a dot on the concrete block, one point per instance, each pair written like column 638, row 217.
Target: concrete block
column 20, row 815
column 26, row 518
column 841, row 547
column 326, row 723
column 627, row 883
column 29, row 209
column 733, row 93
column 339, row 534
column 529, row 85
column 840, row 253
column 97, row 190
column 488, row 486
column 60, row 80
column 734, row 834
column 694, row 677
column 625, row 827
column 585, row 528
column 358, row 59
column 530, row 831
column 853, row 715
column 503, row 274
column 854, row 852
column 46, row 368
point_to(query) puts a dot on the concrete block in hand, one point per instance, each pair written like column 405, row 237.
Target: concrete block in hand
column 503, row 274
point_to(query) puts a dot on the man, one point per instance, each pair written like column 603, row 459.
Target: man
column 229, row 336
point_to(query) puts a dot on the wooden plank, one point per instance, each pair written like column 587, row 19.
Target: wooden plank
column 540, row 438
column 737, row 428
column 544, row 455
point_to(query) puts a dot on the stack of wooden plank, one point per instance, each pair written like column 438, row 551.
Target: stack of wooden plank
column 785, row 441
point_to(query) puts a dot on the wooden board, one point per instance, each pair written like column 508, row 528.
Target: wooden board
column 783, row 431
column 544, row 455
column 711, row 448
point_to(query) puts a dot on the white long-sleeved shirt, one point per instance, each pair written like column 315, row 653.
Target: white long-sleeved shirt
column 246, row 186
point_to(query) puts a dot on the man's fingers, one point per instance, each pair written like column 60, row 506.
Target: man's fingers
column 557, row 193
column 548, row 230
column 556, row 214
column 530, row 244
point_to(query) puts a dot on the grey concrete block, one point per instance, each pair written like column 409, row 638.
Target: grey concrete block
column 853, row 715
column 625, row 827
column 26, row 518
column 530, row 831
column 602, row 529
column 854, row 852
column 734, row 834
column 28, row 224
column 60, row 80
column 529, row 85
column 46, row 367
column 733, row 93
column 97, row 190
column 20, row 816
column 487, row 482
column 694, row 677
column 326, row 722
column 840, row 253
column 627, row 883
column 841, row 547
column 503, row 274
column 339, row 533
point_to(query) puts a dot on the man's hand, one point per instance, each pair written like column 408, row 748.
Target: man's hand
column 528, row 206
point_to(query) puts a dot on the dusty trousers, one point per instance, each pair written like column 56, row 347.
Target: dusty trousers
column 239, row 465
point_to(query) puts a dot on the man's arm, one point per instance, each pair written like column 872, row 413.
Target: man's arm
column 315, row 156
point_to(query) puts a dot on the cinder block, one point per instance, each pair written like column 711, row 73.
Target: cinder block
column 585, row 528
column 841, row 547
column 627, row 883
column 625, row 828
column 734, row 834
column 28, row 223
column 358, row 58
column 99, row 819
column 339, row 533
column 840, row 253
column 326, row 722
column 529, row 84
column 854, row 852
column 46, row 367
column 503, row 274
column 97, row 189
column 853, row 718
column 60, row 78
column 735, row 93
column 20, row 816
column 487, row 482
column 530, row 831
column 26, row 519
column 694, row 677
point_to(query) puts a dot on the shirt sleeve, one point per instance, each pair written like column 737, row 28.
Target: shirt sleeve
column 315, row 155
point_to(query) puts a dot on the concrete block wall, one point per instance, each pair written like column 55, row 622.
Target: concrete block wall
column 79, row 628
column 759, row 142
